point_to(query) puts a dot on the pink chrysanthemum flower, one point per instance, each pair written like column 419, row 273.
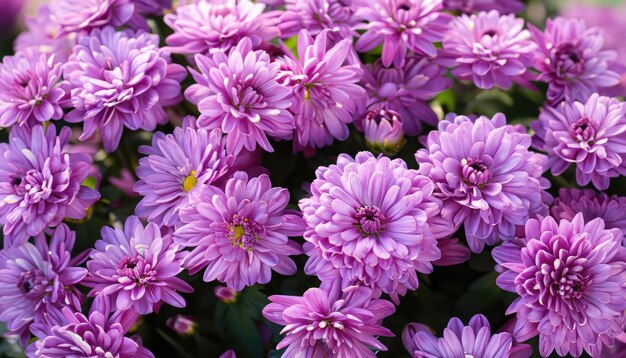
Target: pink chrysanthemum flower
column 488, row 48
column 239, row 93
column 371, row 222
column 135, row 268
column 240, row 233
column 73, row 16
column 591, row 135
column 326, row 96
column 120, row 79
column 209, row 27
column 317, row 15
column 175, row 164
column 40, row 183
column 38, row 280
column 402, row 25
column 469, row 6
column 320, row 325
column 29, row 89
column 569, row 277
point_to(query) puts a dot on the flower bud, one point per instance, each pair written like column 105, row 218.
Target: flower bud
column 182, row 324
column 225, row 294
column 383, row 131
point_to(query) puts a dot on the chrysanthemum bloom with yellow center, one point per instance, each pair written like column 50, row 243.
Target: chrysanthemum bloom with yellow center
column 240, row 234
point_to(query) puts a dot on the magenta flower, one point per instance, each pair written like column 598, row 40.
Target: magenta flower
column 320, row 325
column 592, row 205
column 96, row 336
column 182, row 324
column 489, row 49
column 135, row 268
column 569, row 277
column 239, row 93
column 73, row 16
column 37, row 281
column 469, row 6
column 407, row 90
column 326, row 96
column 590, row 135
column 240, row 233
column 40, row 183
column 120, row 79
column 225, row 294
column 402, row 25
column 371, row 222
column 209, row 27
column 29, row 89
column 459, row 340
column 317, row 15
column 487, row 178
column 42, row 35
column 174, row 165
column 571, row 59
column 383, row 131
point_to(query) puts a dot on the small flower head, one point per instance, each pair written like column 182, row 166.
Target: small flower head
column 383, row 131
column 74, row 16
column 402, row 25
column 487, row 178
column 42, row 35
column 326, row 96
column 40, row 183
column 225, row 294
column 488, row 48
column 406, row 90
column 96, row 336
column 591, row 135
column 240, row 233
column 135, row 268
column 459, row 340
column 208, row 27
column 317, row 15
column 29, row 89
column 569, row 277
column 175, row 165
column 469, row 6
column 38, row 280
column 182, row 324
column 371, row 222
column 319, row 324
column 120, row 79
column 239, row 93
column 571, row 59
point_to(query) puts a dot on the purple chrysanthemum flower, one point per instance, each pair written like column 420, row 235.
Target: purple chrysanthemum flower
column 326, row 94
column 174, row 165
column 42, row 35
column 371, row 222
column 135, row 268
column 208, row 27
column 406, row 90
column 402, row 25
column 487, row 178
column 592, row 205
column 461, row 341
column 317, row 15
column 120, row 79
column 73, row 16
column 29, row 89
column 321, row 325
column 96, row 336
column 571, row 59
column 40, row 183
column 238, row 92
column 570, row 278
column 240, row 233
column 469, row 6
column 37, row 281
column 489, row 49
column 591, row 135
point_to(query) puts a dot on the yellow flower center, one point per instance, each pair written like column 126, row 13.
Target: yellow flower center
column 190, row 181
column 307, row 94
column 239, row 232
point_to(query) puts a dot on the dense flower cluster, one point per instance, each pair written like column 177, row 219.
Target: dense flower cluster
column 122, row 178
